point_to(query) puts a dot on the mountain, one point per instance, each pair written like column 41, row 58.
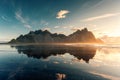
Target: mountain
column 82, row 36
column 40, row 36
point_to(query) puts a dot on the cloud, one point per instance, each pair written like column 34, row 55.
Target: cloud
column 62, row 14
column 63, row 27
column 4, row 18
column 46, row 28
column 27, row 26
column 61, row 32
column 76, row 28
column 56, row 27
column 19, row 17
column 105, row 76
column 101, row 17
column 44, row 23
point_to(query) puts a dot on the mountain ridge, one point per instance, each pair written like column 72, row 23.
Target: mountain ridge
column 39, row 36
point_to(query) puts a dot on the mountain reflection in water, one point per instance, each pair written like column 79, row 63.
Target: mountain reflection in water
column 46, row 51
column 59, row 62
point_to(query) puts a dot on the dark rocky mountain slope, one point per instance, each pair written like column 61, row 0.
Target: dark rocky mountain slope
column 39, row 36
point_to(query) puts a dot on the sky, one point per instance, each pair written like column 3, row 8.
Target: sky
column 102, row 17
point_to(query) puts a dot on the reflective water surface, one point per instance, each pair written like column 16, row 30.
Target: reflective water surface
column 49, row 62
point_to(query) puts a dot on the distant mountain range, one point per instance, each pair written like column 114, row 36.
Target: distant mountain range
column 39, row 36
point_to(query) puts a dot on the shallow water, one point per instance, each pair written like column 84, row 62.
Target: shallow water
column 49, row 62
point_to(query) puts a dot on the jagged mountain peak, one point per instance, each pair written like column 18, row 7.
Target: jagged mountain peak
column 77, row 31
column 46, row 31
column 85, row 30
column 40, row 36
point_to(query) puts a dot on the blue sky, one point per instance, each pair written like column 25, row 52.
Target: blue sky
column 102, row 17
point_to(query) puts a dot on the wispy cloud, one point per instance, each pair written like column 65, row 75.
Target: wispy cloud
column 18, row 15
column 76, row 28
column 61, row 32
column 62, row 14
column 5, row 18
column 63, row 27
column 105, row 76
column 56, row 27
column 101, row 17
column 27, row 26
column 47, row 28
column 44, row 23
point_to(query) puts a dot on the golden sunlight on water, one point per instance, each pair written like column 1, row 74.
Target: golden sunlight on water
column 106, row 63
column 95, row 60
column 108, row 56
